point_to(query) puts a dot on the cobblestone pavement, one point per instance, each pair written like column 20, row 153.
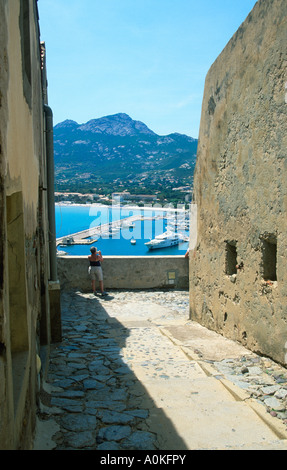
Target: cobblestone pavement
column 133, row 373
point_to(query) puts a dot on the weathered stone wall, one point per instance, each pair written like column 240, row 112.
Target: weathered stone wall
column 238, row 276
column 131, row 272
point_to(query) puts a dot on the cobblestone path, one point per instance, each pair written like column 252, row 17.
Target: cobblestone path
column 130, row 375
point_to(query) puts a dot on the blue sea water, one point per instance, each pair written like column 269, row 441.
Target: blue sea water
column 74, row 218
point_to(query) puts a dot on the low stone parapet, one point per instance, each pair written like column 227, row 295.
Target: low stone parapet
column 131, row 272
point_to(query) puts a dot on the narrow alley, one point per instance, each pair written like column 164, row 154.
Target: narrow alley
column 133, row 373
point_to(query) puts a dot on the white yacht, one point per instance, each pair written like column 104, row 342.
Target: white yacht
column 164, row 240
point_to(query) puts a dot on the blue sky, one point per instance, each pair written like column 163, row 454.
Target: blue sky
column 146, row 58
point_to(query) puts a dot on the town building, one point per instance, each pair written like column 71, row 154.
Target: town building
column 126, row 196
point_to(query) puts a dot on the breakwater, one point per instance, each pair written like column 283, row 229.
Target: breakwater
column 91, row 234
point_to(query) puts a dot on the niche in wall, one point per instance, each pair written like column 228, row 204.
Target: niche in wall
column 230, row 257
column 17, row 293
column 17, row 273
column 269, row 257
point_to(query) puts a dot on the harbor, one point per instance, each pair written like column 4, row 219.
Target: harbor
column 124, row 232
column 92, row 234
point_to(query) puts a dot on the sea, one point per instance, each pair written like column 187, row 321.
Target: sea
column 72, row 218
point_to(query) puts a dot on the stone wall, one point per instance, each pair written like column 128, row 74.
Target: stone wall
column 238, row 276
column 131, row 272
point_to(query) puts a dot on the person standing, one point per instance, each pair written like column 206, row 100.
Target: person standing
column 95, row 270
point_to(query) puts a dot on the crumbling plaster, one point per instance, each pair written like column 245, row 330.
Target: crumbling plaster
column 240, row 185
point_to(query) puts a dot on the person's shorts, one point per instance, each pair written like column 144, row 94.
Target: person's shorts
column 96, row 273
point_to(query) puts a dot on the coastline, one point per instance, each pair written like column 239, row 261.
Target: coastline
column 119, row 206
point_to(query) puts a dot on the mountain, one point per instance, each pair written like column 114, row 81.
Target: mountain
column 119, row 150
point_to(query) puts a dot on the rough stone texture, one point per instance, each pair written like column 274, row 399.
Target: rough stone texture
column 240, row 188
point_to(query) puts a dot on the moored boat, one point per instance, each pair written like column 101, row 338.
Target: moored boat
column 165, row 240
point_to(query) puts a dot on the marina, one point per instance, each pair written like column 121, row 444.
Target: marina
column 92, row 234
column 120, row 231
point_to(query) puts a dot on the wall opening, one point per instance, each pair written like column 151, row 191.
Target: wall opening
column 19, row 337
column 17, row 270
column 269, row 258
column 230, row 257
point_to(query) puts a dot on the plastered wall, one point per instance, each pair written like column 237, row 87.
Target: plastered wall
column 24, row 251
